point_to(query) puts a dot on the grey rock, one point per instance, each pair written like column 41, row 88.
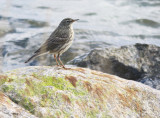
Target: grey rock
column 134, row 62
column 152, row 81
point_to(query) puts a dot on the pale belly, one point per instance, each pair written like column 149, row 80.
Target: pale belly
column 65, row 47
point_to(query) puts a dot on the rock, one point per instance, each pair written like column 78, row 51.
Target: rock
column 132, row 62
column 151, row 81
column 8, row 109
column 5, row 27
column 78, row 92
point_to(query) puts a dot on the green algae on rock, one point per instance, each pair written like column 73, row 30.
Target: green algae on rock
column 8, row 109
column 79, row 92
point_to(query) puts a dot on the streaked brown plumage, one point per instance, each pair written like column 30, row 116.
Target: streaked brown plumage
column 59, row 41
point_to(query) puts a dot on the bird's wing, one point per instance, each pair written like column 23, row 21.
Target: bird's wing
column 58, row 38
column 52, row 42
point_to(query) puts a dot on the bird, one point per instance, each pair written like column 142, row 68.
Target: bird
column 58, row 42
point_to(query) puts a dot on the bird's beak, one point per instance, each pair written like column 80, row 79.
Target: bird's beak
column 75, row 20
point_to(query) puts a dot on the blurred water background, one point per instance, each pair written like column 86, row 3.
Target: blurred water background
column 26, row 24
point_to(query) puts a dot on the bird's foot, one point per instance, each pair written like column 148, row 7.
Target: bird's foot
column 65, row 68
column 62, row 67
column 57, row 65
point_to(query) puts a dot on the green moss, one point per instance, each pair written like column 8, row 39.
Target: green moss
column 105, row 115
column 7, row 88
column 91, row 114
column 27, row 105
column 58, row 114
column 19, row 80
column 24, row 101
column 61, row 84
column 66, row 114
column 58, row 83
column 2, row 81
column 45, row 88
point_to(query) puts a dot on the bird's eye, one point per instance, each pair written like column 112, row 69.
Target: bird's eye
column 67, row 21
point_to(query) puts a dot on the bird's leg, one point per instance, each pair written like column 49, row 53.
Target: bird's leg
column 56, row 59
column 60, row 61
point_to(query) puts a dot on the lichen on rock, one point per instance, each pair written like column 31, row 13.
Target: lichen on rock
column 78, row 92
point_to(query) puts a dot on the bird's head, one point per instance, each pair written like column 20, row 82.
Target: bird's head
column 67, row 21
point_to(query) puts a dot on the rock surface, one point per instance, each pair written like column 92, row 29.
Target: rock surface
column 9, row 109
column 78, row 92
column 135, row 62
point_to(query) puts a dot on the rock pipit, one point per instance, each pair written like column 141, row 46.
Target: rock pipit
column 58, row 42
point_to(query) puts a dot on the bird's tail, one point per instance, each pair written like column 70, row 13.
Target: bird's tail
column 31, row 57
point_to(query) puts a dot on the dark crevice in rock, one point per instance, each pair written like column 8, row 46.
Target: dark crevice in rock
column 124, row 71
